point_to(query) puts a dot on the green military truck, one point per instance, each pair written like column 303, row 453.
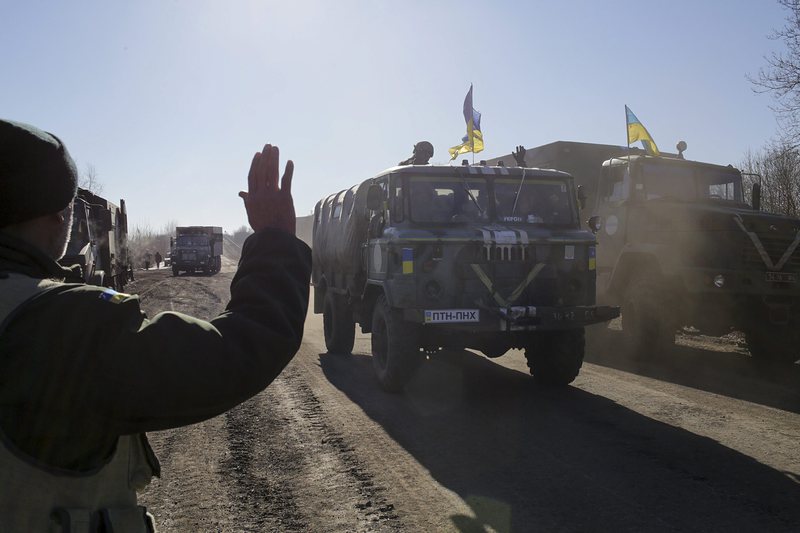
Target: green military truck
column 678, row 246
column 442, row 257
column 99, row 241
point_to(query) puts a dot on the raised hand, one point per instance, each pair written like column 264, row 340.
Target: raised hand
column 519, row 156
column 267, row 205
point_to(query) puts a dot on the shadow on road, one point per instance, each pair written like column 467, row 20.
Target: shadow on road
column 532, row 459
column 731, row 373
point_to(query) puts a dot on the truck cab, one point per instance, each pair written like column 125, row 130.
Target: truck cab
column 196, row 248
column 679, row 247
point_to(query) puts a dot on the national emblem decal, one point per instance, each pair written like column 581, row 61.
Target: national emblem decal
column 110, row 295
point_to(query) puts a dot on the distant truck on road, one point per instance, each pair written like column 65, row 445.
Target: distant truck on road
column 99, row 241
column 196, row 248
column 429, row 257
column 678, row 246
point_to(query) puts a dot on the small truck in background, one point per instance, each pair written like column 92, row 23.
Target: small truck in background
column 196, row 248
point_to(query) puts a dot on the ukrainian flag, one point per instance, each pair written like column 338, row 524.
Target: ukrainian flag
column 473, row 140
column 408, row 260
column 637, row 132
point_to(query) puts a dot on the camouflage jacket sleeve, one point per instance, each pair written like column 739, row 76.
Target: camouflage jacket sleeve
column 132, row 374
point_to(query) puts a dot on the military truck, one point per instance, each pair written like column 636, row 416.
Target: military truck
column 427, row 258
column 678, row 246
column 99, row 241
column 196, row 248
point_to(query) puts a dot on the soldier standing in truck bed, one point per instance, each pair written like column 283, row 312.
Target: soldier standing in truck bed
column 84, row 373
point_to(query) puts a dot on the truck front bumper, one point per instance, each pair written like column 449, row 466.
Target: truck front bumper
column 515, row 318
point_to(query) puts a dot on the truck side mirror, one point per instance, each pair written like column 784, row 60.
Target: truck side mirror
column 374, row 197
column 595, row 223
column 756, row 196
column 582, row 197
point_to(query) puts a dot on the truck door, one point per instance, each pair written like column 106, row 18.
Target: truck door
column 376, row 249
column 613, row 194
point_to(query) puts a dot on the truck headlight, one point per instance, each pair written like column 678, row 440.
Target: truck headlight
column 433, row 289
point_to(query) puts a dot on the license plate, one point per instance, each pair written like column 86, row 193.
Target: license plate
column 782, row 277
column 452, row 316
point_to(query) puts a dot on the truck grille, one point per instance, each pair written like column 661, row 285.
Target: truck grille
column 775, row 248
column 503, row 252
column 189, row 257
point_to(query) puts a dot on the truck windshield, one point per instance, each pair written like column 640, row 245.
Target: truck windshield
column 688, row 182
column 539, row 201
column 193, row 240
column 436, row 199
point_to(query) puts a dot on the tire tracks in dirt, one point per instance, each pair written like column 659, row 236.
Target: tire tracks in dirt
column 294, row 472
column 274, row 463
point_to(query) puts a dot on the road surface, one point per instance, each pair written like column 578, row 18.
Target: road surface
column 697, row 440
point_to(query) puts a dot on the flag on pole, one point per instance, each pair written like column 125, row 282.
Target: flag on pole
column 473, row 140
column 637, row 132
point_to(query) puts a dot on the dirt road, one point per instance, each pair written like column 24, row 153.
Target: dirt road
column 699, row 440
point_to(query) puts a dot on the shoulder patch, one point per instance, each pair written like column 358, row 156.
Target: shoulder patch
column 110, row 295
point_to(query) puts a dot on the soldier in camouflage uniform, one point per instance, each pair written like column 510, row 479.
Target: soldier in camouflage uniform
column 84, row 373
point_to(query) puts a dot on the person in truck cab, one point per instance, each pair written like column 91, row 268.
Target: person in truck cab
column 427, row 205
column 85, row 373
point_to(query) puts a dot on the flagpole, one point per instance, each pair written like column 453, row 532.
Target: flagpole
column 628, row 138
column 471, row 131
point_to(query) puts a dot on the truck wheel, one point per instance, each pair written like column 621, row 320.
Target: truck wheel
column 395, row 347
column 555, row 357
column 648, row 319
column 771, row 344
column 175, row 270
column 338, row 324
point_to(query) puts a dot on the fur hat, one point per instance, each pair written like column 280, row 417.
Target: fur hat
column 37, row 175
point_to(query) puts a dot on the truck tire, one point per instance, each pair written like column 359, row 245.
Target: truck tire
column 555, row 357
column 395, row 348
column 338, row 324
column 175, row 270
column 771, row 344
column 648, row 318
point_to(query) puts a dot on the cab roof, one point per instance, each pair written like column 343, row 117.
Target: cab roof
column 474, row 170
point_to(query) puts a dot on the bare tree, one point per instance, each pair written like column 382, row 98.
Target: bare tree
column 781, row 76
column 88, row 179
column 777, row 166
column 241, row 234
column 169, row 228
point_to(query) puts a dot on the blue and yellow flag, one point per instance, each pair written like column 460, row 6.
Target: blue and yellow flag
column 637, row 132
column 473, row 140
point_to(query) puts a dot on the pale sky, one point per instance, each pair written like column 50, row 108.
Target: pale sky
column 168, row 100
